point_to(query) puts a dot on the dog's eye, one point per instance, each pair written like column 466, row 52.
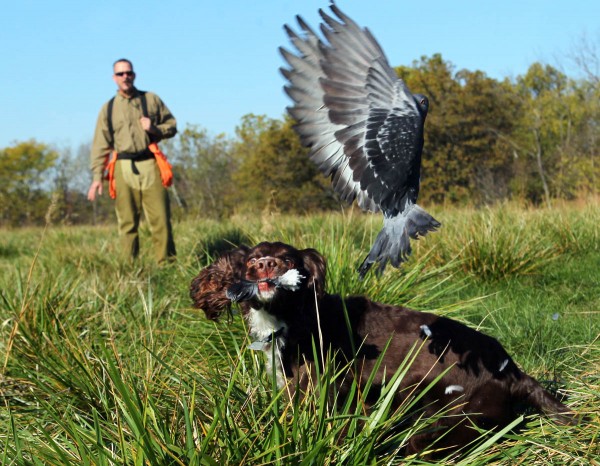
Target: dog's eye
column 252, row 261
column 289, row 262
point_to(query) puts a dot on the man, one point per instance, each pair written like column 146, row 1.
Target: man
column 137, row 119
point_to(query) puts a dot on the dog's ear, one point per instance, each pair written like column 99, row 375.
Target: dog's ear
column 208, row 288
column 315, row 264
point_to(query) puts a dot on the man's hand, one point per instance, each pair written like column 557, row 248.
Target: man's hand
column 96, row 186
column 147, row 125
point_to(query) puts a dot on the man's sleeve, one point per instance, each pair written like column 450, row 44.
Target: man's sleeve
column 166, row 124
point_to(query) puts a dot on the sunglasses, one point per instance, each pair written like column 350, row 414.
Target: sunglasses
column 124, row 73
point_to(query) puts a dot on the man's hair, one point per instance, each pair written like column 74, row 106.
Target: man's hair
column 123, row 60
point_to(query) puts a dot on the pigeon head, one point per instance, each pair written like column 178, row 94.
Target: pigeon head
column 422, row 104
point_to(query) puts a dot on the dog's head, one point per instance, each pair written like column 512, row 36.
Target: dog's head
column 279, row 267
column 261, row 273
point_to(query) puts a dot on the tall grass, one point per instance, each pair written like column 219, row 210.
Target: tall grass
column 506, row 241
column 109, row 365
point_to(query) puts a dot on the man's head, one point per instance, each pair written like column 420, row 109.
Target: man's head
column 124, row 75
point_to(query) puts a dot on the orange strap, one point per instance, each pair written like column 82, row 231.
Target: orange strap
column 166, row 171
column 110, row 175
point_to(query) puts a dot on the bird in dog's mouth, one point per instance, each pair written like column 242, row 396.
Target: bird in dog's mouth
column 265, row 288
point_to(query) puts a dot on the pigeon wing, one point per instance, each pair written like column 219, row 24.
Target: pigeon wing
column 313, row 123
column 394, row 142
column 382, row 128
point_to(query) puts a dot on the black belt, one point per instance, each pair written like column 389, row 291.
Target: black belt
column 135, row 157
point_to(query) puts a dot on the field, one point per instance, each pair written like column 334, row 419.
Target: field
column 105, row 362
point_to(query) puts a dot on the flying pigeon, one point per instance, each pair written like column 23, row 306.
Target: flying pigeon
column 363, row 126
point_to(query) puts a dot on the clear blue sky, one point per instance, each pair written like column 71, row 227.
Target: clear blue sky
column 214, row 61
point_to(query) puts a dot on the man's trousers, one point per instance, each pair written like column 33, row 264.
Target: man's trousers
column 143, row 192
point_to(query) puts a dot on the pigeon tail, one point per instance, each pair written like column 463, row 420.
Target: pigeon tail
column 419, row 222
column 393, row 241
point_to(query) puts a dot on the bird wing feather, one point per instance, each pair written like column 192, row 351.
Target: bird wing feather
column 311, row 115
column 359, row 119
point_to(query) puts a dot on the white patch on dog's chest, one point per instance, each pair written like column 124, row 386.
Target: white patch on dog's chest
column 263, row 326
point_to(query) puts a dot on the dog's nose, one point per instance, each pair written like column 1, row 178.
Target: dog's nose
column 266, row 264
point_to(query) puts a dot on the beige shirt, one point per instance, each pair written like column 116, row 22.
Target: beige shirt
column 129, row 136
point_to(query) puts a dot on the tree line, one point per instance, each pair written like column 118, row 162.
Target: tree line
column 534, row 138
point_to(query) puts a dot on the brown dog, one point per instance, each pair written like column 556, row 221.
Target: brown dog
column 281, row 293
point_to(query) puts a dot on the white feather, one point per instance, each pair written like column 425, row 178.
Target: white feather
column 291, row 279
column 450, row 389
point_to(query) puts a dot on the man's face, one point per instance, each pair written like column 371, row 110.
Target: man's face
column 124, row 77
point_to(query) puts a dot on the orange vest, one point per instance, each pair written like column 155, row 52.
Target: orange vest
column 164, row 167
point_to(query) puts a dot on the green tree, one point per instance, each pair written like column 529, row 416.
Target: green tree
column 584, row 161
column 71, row 178
column 547, row 131
column 586, row 57
column 465, row 154
column 274, row 171
column 202, row 166
column 24, row 182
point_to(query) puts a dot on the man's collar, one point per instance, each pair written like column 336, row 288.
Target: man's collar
column 135, row 93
